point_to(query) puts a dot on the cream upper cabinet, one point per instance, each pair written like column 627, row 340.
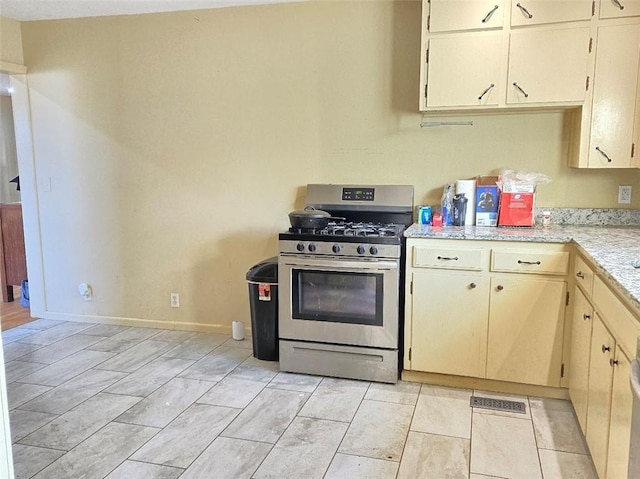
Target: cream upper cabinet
column 526, row 323
column 537, row 12
column 448, row 15
column 449, row 327
column 599, row 399
column 615, row 111
column 581, row 325
column 470, row 77
column 619, row 8
column 620, row 427
column 548, row 65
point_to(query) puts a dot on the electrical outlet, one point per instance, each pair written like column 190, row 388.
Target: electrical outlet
column 85, row 291
column 624, row 195
column 175, row 300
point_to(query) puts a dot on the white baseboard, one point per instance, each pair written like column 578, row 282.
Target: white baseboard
column 144, row 323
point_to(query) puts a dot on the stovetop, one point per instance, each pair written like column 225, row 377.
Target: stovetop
column 353, row 229
column 350, row 232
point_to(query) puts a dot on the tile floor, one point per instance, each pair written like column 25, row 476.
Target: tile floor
column 98, row 401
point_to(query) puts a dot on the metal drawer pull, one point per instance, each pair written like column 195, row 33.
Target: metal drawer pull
column 486, row 91
column 613, row 362
column 448, row 258
column 526, row 95
column 617, row 3
column 528, row 262
column 499, row 287
column 486, row 19
column 472, row 285
column 605, row 349
column 580, row 274
column 586, row 316
column 603, row 154
column 526, row 12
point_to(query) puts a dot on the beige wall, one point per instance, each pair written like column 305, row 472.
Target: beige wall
column 10, row 41
column 170, row 148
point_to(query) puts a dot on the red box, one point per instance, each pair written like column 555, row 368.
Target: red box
column 516, row 209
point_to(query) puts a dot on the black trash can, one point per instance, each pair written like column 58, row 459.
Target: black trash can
column 263, row 299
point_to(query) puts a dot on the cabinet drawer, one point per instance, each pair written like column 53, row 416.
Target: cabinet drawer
column 448, row 258
column 534, row 262
column 620, row 321
column 583, row 275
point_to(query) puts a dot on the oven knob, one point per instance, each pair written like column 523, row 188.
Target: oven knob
column 373, row 250
column 336, row 248
column 312, row 247
column 300, row 247
column 360, row 250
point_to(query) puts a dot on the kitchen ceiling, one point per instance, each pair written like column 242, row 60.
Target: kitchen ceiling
column 28, row 10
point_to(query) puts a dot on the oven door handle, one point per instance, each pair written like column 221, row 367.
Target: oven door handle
column 333, row 265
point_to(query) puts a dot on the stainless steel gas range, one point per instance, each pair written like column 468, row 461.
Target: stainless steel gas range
column 341, row 287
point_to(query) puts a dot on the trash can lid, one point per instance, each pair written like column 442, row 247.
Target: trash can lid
column 266, row 271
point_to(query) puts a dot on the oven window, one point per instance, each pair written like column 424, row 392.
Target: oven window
column 339, row 297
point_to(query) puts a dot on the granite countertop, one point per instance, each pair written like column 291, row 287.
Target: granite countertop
column 613, row 249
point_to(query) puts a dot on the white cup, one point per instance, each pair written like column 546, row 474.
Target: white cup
column 237, row 330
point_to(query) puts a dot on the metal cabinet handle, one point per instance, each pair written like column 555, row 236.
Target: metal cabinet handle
column 613, row 362
column 526, row 12
column 586, row 316
column 605, row 349
column 472, row 285
column 603, row 154
column 499, row 287
column 580, row 274
column 488, row 16
column 528, row 262
column 618, row 4
column 526, row 95
column 486, row 91
column 448, row 258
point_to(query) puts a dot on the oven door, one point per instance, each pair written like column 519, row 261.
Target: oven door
column 339, row 301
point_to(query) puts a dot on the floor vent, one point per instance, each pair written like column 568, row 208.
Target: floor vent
column 498, row 404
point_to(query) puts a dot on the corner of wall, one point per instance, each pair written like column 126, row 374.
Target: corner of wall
column 10, row 41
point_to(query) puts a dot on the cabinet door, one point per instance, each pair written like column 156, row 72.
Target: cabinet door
column 599, row 398
column 526, row 323
column 449, row 323
column 620, row 428
column 537, row 12
column 614, row 96
column 447, row 16
column 619, row 8
column 467, row 78
column 548, row 65
column 580, row 354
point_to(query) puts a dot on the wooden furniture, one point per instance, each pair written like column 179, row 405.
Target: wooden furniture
column 582, row 56
column 13, row 264
column 603, row 341
column 486, row 310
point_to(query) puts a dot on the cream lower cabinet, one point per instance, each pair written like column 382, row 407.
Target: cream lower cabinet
column 581, row 326
column 604, row 334
column 483, row 310
column 599, row 397
column 449, row 330
column 526, row 326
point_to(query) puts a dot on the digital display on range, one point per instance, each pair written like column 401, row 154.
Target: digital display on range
column 358, row 194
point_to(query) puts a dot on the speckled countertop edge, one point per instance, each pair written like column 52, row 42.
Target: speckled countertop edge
column 612, row 249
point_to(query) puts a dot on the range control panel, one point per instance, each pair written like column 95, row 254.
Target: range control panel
column 358, row 194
